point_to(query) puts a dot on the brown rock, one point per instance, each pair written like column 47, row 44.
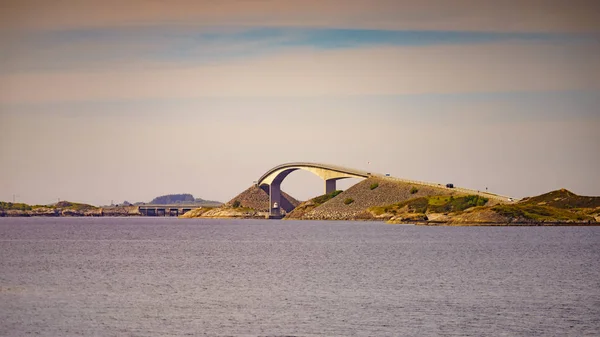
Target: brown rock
column 258, row 199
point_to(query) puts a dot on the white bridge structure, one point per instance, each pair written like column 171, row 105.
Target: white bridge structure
column 273, row 178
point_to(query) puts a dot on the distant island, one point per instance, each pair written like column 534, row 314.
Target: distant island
column 186, row 198
column 67, row 208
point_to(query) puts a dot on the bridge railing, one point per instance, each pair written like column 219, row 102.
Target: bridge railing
column 459, row 189
column 316, row 165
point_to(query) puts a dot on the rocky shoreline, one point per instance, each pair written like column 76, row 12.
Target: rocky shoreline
column 374, row 199
column 495, row 224
column 68, row 212
column 231, row 213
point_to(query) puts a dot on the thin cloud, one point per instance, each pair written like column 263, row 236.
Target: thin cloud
column 459, row 15
column 302, row 72
column 122, row 47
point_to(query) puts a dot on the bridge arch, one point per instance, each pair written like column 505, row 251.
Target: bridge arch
column 329, row 173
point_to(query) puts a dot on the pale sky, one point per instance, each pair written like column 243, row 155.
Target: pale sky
column 128, row 100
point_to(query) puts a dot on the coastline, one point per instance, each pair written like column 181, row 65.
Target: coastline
column 113, row 214
column 504, row 224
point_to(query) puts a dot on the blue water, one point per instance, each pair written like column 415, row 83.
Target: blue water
column 178, row 277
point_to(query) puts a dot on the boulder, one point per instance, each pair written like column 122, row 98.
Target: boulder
column 43, row 211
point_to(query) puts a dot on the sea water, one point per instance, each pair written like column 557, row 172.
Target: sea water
column 177, row 277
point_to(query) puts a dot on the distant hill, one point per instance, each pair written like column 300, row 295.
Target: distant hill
column 562, row 199
column 173, row 199
column 74, row 206
column 184, row 198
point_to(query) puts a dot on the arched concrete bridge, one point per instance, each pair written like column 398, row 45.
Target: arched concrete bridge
column 329, row 173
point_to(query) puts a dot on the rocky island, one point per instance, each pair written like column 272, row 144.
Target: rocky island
column 67, row 208
column 386, row 199
column 64, row 208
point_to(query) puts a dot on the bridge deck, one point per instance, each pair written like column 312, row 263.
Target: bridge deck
column 458, row 189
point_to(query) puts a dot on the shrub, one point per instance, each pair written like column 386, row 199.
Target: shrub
column 326, row 197
column 236, row 204
column 414, row 190
column 374, row 186
column 348, row 201
column 14, row 206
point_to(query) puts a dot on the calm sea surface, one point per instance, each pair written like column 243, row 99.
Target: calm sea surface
column 178, row 277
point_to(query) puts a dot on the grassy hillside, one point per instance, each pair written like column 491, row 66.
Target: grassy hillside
column 74, row 206
column 169, row 199
column 539, row 213
column 432, row 204
column 15, row 206
column 562, row 199
column 555, row 207
column 311, row 204
column 61, row 205
column 353, row 203
column 182, row 198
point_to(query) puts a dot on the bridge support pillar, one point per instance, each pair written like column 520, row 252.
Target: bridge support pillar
column 275, row 199
column 330, row 186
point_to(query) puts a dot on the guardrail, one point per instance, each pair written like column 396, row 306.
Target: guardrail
column 316, row 165
column 458, row 189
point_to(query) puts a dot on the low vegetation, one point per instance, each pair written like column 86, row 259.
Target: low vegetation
column 7, row 206
column 348, row 201
column 554, row 207
column 173, row 199
column 311, row 204
column 539, row 213
column 563, row 199
column 14, row 206
column 414, row 190
column 434, row 204
column 182, row 198
column 374, row 186
column 74, row 206
column 325, row 197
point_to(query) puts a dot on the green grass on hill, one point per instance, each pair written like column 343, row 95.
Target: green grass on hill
column 539, row 213
column 325, row 197
column 15, row 206
column 63, row 205
column 434, row 204
column 313, row 203
column 74, row 206
column 562, row 199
